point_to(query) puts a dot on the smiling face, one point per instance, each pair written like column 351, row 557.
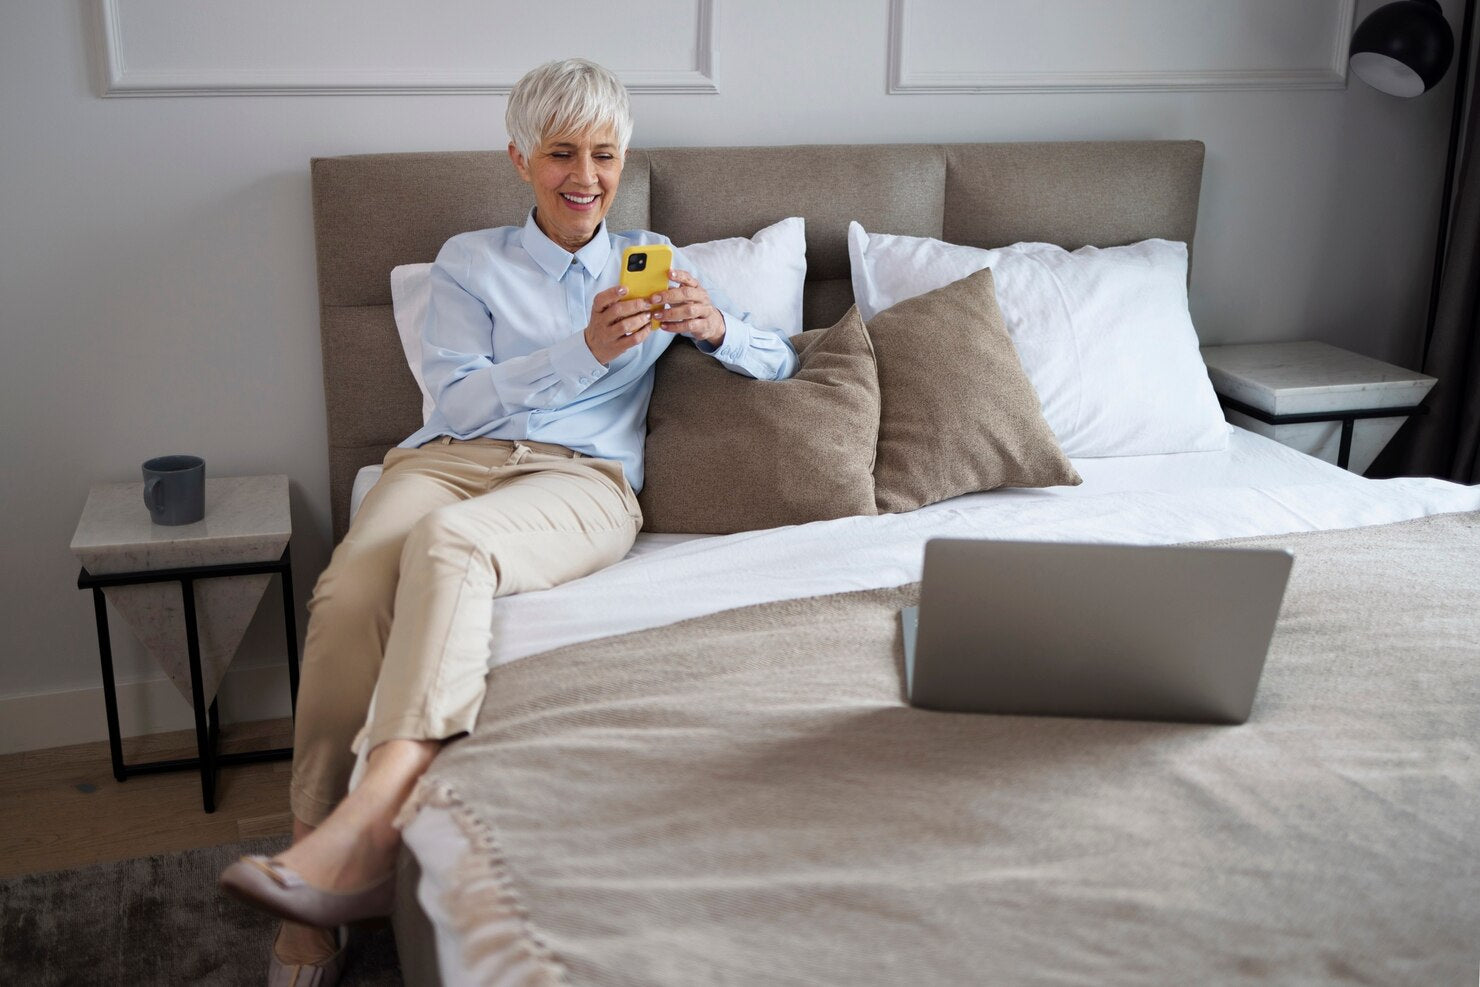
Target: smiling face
column 575, row 178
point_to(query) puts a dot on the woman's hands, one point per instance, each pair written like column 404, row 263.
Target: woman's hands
column 619, row 323
column 690, row 311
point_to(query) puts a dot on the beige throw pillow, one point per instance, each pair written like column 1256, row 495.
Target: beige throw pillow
column 958, row 413
column 726, row 453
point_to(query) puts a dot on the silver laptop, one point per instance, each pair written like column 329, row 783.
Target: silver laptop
column 1124, row 631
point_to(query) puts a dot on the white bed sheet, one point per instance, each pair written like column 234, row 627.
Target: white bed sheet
column 1254, row 487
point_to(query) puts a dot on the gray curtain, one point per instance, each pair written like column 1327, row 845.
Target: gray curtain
column 1446, row 441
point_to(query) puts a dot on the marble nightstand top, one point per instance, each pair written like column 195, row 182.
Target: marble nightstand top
column 1308, row 377
column 246, row 520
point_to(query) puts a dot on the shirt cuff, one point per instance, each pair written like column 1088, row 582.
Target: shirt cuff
column 737, row 340
column 573, row 361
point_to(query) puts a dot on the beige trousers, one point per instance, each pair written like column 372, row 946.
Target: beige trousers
column 407, row 599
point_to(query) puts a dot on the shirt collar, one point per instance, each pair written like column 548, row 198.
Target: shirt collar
column 555, row 260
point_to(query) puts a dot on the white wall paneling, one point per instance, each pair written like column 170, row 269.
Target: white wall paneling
column 288, row 47
column 956, row 46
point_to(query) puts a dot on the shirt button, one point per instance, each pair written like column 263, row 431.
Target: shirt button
column 585, row 380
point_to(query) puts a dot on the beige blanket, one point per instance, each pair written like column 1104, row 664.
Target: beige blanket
column 746, row 799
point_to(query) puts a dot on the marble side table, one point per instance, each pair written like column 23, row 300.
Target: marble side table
column 221, row 566
column 1323, row 400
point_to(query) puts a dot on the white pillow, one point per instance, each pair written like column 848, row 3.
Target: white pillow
column 765, row 272
column 1103, row 333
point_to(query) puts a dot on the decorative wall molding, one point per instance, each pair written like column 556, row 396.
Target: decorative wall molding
column 227, row 64
column 1187, row 52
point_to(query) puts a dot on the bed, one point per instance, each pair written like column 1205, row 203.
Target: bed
column 697, row 766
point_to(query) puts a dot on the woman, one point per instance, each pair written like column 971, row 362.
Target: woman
column 523, row 478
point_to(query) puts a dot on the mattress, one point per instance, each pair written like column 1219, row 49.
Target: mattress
column 1254, row 487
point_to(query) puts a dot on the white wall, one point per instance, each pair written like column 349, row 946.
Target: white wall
column 157, row 272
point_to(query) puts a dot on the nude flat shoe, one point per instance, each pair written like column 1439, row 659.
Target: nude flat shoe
column 324, row 974
column 280, row 891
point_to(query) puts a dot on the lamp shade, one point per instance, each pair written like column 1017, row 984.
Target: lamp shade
column 1403, row 48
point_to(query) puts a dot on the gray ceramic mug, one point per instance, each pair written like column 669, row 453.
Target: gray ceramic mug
column 175, row 489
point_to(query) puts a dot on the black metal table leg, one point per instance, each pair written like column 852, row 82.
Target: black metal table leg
column 290, row 626
column 213, row 751
column 198, row 698
column 110, row 692
column 1344, row 454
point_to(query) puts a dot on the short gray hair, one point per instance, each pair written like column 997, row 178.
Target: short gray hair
column 567, row 96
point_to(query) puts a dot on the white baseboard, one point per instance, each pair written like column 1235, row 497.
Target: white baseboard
column 56, row 719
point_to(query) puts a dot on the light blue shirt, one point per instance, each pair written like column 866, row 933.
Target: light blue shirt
column 504, row 351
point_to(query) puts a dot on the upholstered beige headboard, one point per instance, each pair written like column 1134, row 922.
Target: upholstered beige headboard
column 375, row 211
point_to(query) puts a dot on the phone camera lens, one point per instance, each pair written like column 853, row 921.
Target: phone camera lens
column 637, row 262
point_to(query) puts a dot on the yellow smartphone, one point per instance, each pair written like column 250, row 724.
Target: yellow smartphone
column 645, row 272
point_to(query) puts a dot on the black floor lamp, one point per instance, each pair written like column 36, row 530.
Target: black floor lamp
column 1403, row 49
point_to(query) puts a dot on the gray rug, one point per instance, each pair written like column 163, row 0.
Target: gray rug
column 154, row 920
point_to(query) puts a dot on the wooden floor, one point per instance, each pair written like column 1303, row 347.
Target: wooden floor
column 61, row 808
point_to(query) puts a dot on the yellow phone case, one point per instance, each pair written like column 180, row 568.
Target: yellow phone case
column 652, row 275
